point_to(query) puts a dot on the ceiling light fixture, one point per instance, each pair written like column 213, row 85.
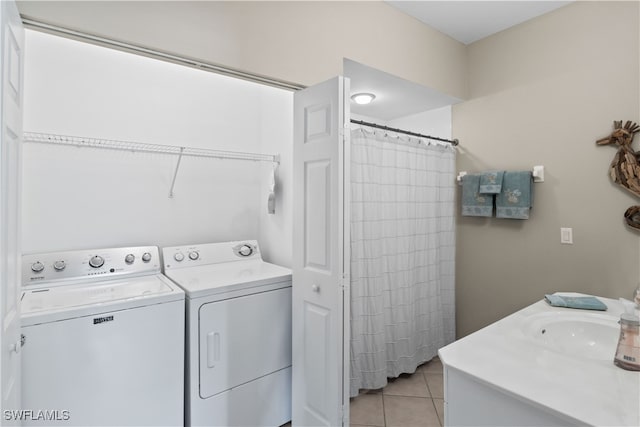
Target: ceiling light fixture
column 363, row 98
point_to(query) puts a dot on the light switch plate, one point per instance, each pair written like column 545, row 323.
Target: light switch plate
column 566, row 236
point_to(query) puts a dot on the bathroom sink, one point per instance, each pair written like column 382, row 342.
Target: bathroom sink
column 581, row 334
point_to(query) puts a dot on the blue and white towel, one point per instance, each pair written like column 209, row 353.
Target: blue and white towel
column 474, row 203
column 491, row 182
column 583, row 303
column 516, row 198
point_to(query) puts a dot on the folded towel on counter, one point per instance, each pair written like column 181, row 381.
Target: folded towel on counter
column 473, row 203
column 516, row 198
column 491, row 182
column 583, row 303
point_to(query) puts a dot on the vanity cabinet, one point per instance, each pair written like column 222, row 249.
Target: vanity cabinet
column 541, row 366
column 471, row 402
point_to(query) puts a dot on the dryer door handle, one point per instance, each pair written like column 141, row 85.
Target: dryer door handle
column 213, row 349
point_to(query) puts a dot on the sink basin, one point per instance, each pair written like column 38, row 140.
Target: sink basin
column 583, row 334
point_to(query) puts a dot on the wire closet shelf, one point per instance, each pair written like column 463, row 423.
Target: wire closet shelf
column 140, row 147
column 111, row 144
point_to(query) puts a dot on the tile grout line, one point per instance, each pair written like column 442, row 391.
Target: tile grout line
column 424, row 376
column 433, row 403
column 384, row 414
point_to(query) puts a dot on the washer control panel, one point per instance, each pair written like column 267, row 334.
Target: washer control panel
column 210, row 253
column 89, row 264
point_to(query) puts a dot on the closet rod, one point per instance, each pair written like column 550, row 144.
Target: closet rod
column 453, row 142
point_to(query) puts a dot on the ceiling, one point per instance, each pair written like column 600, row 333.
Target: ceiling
column 465, row 21
column 470, row 21
column 395, row 97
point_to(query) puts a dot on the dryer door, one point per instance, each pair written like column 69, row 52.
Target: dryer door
column 244, row 338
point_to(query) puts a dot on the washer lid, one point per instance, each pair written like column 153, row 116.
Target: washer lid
column 74, row 300
column 224, row 277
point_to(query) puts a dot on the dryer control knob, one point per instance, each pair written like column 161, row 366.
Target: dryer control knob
column 146, row 257
column 178, row 256
column 129, row 258
column 245, row 250
column 59, row 265
column 37, row 267
column 194, row 255
column 96, row 261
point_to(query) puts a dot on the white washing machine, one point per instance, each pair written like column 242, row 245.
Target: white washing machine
column 238, row 334
column 103, row 334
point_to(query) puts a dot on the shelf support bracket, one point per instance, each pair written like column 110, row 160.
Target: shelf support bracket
column 175, row 174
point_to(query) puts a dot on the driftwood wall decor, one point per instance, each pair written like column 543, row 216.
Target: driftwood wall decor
column 625, row 167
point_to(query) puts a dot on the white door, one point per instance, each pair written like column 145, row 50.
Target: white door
column 321, row 255
column 232, row 354
column 12, row 40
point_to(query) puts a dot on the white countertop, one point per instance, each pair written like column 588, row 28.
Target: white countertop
column 204, row 280
column 67, row 301
column 591, row 391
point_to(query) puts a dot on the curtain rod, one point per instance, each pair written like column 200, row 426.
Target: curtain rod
column 156, row 54
column 453, row 142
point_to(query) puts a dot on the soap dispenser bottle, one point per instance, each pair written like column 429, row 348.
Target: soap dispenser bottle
column 628, row 350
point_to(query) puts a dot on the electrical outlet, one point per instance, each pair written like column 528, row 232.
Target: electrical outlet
column 566, row 236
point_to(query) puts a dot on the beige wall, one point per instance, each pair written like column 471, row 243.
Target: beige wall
column 299, row 42
column 541, row 93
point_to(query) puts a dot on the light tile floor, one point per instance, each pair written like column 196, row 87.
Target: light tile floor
column 411, row 400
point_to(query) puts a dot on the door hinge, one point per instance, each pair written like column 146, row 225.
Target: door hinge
column 344, row 281
column 344, row 133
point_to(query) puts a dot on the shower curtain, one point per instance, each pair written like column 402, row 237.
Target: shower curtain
column 402, row 254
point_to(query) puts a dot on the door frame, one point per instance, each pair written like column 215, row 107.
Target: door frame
column 11, row 89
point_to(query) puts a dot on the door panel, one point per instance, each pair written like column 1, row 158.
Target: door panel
column 317, row 122
column 244, row 338
column 316, row 346
column 11, row 86
column 317, row 180
column 320, row 272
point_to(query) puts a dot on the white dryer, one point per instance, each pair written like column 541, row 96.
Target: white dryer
column 103, row 335
column 238, row 351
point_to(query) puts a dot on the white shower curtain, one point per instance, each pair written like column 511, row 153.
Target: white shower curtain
column 402, row 255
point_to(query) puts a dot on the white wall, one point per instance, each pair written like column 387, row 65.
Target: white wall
column 276, row 231
column 436, row 122
column 79, row 198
